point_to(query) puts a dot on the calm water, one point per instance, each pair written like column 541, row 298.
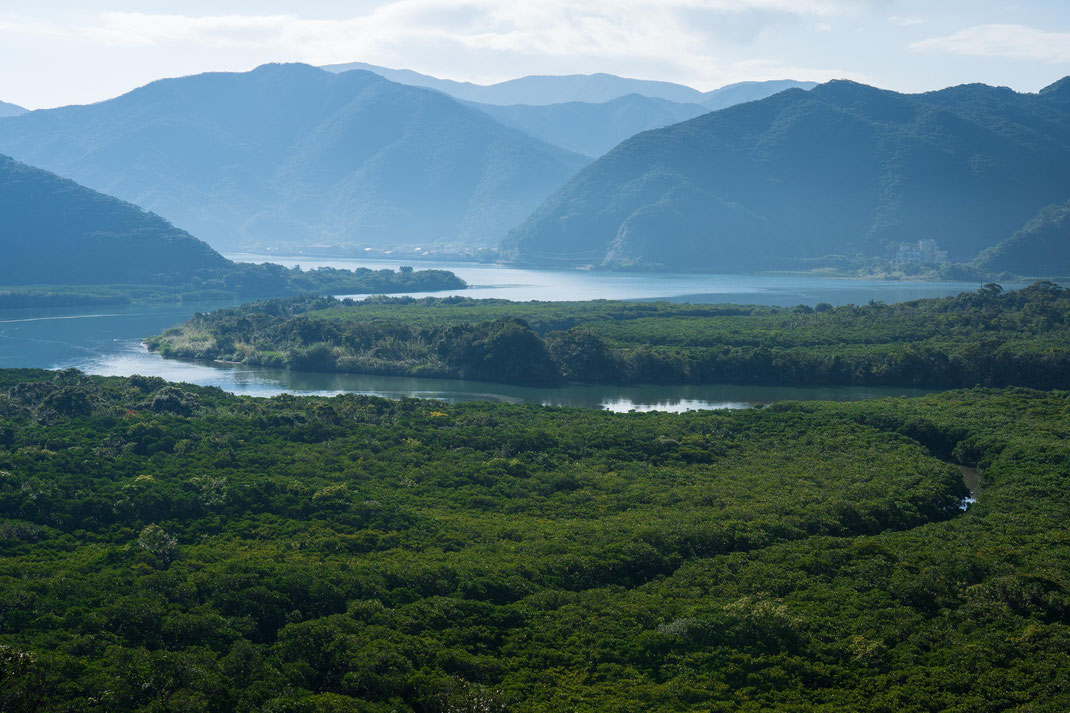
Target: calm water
column 520, row 284
column 107, row 340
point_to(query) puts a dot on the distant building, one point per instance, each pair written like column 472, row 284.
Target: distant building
column 923, row 251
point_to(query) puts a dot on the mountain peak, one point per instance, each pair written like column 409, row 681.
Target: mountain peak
column 1060, row 88
column 7, row 109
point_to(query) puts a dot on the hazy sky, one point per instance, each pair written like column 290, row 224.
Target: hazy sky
column 55, row 52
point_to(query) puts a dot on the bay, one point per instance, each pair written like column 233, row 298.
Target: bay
column 107, row 340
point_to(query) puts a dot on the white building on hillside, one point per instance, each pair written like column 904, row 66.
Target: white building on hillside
column 923, row 251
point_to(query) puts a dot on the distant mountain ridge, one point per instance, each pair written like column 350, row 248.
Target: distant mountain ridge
column 7, row 109
column 843, row 168
column 294, row 153
column 592, row 129
column 541, row 90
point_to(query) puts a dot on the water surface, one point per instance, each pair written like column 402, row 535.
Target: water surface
column 107, row 340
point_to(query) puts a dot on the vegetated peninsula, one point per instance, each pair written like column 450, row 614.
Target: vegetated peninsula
column 164, row 542
column 813, row 178
column 989, row 337
column 62, row 243
column 291, row 153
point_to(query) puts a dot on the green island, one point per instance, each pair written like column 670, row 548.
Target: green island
column 989, row 337
column 174, row 548
column 234, row 281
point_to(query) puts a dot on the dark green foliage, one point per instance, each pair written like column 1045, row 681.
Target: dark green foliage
column 1041, row 247
column 842, row 169
column 358, row 554
column 989, row 337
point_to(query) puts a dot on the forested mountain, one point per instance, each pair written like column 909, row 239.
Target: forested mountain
column 1041, row 247
column 592, row 88
column 62, row 244
column 295, row 153
column 54, row 231
column 592, row 129
column 7, row 109
column 842, row 168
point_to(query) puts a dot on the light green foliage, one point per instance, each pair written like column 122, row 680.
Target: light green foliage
column 990, row 337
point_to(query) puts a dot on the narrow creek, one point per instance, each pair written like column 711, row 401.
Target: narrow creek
column 971, row 477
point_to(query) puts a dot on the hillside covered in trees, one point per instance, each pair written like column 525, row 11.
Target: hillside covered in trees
column 989, row 337
column 844, row 169
column 62, row 243
column 291, row 153
column 170, row 547
column 1041, row 247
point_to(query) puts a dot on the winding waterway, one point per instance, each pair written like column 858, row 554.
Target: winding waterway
column 107, row 340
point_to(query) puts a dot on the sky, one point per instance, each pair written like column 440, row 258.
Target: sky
column 58, row 52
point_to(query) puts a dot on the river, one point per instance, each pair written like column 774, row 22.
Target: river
column 107, row 340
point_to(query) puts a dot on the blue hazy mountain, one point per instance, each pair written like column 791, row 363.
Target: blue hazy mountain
column 294, row 153
column 539, row 90
column 842, row 168
column 54, row 231
column 592, row 129
column 7, row 109
column 740, row 92
column 1040, row 248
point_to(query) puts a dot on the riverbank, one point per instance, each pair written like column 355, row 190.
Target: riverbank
column 988, row 337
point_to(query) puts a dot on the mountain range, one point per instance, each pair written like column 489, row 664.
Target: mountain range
column 298, row 154
column 54, row 231
column 7, row 109
column 844, row 168
column 541, row 90
column 592, row 129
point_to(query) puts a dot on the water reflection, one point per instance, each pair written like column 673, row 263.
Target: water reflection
column 107, row 340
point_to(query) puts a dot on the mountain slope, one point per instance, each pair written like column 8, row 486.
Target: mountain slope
column 54, row 231
column 841, row 168
column 592, row 129
column 740, row 92
column 1041, row 247
column 7, row 109
column 294, row 153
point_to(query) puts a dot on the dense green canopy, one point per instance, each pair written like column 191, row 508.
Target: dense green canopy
column 988, row 337
column 167, row 548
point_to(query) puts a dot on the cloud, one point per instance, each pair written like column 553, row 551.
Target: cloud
column 479, row 40
column 906, row 21
column 1009, row 41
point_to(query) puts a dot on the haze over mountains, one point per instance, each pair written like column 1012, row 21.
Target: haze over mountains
column 593, row 129
column 7, row 109
column 539, row 90
column 585, row 113
column 54, row 231
column 844, row 168
column 294, row 153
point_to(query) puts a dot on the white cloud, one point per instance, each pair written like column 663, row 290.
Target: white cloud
column 906, row 21
column 1010, row 41
column 475, row 40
